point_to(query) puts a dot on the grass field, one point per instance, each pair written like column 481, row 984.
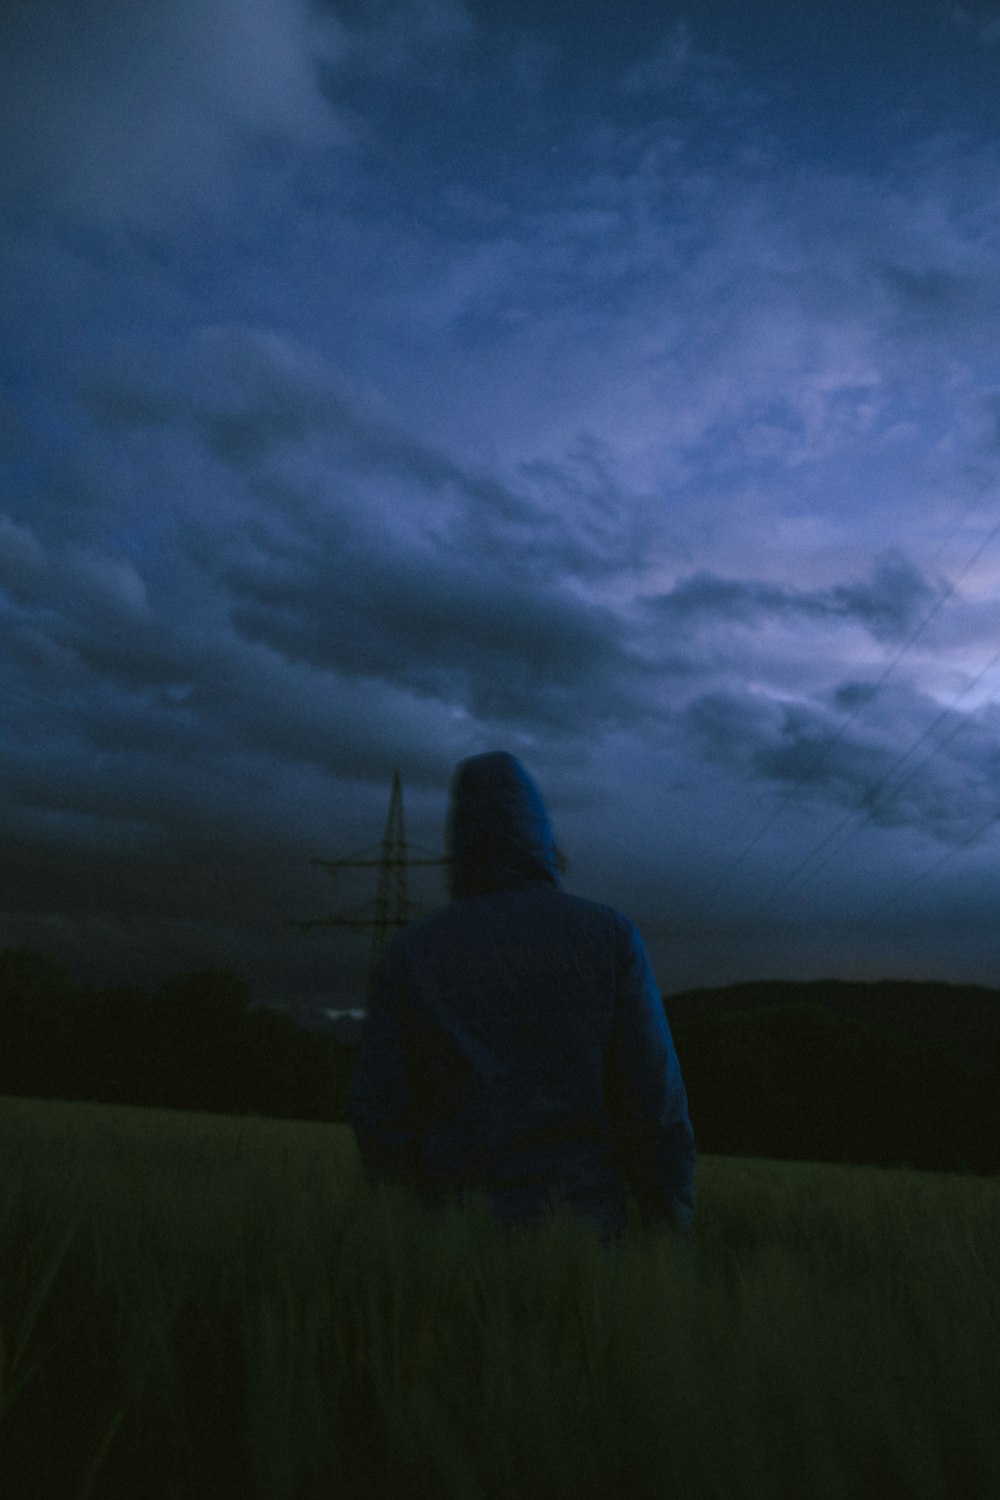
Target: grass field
column 199, row 1306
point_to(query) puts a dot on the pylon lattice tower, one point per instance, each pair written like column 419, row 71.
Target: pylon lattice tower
column 393, row 906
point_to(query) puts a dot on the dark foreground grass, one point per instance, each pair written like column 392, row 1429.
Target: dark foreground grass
column 194, row 1306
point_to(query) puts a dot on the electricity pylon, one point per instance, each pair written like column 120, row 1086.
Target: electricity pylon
column 393, row 907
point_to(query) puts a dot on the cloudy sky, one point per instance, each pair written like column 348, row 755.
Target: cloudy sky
column 385, row 381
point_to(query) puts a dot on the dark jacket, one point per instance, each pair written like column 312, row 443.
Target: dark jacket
column 516, row 1040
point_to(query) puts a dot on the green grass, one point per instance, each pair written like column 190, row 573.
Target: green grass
column 195, row 1306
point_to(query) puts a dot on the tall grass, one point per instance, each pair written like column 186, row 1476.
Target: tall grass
column 194, row 1306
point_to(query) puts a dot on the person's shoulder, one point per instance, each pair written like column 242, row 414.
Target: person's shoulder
column 623, row 931
column 587, row 904
column 599, row 912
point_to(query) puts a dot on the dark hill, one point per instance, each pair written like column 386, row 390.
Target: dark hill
column 963, row 1018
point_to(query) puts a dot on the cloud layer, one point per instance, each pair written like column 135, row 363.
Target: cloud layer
column 383, row 385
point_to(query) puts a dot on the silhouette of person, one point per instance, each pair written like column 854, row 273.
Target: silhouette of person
column 516, row 1042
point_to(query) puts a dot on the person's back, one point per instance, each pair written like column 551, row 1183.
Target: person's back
column 516, row 1041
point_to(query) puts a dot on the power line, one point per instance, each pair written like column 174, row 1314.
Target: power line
column 831, row 744
column 870, row 796
column 949, row 854
column 732, row 865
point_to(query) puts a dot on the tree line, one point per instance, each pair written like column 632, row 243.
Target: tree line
column 796, row 1081
column 196, row 1041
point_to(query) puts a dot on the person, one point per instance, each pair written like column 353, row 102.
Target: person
column 516, row 1043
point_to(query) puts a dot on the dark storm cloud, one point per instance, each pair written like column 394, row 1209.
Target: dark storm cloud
column 69, row 582
column 889, row 604
column 249, row 393
column 21, row 559
column 682, row 70
column 385, row 36
column 153, row 695
column 982, row 20
column 817, row 754
column 12, row 429
column 146, row 114
column 474, row 603
column 931, row 302
column 137, row 113
column 256, row 398
column 604, row 526
column 455, row 628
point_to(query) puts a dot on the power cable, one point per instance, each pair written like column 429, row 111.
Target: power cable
column 949, row 854
column 831, row 744
column 870, row 796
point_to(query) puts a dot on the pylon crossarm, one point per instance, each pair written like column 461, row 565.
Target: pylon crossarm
column 429, row 857
column 357, row 923
column 345, row 864
column 368, row 864
column 356, row 907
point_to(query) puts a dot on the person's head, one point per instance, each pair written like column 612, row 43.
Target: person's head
column 499, row 833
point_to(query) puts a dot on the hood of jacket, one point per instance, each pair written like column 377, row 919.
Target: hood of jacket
column 499, row 834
